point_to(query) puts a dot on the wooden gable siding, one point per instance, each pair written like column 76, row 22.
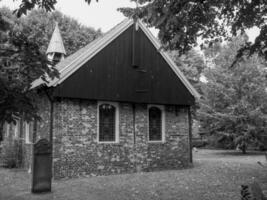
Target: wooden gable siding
column 109, row 75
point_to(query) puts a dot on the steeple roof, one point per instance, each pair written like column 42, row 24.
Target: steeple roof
column 56, row 43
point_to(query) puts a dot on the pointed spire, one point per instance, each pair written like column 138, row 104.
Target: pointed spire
column 56, row 44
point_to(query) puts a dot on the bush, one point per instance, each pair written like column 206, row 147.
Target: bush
column 259, row 145
column 10, row 153
column 198, row 142
column 220, row 142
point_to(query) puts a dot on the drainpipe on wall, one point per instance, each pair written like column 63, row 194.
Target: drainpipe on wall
column 51, row 117
column 51, row 100
column 51, row 122
column 190, row 134
column 134, row 134
column 134, row 137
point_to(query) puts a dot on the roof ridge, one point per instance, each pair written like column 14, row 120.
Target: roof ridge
column 95, row 40
column 92, row 48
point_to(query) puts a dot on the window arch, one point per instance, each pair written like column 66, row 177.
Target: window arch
column 156, row 117
column 107, row 122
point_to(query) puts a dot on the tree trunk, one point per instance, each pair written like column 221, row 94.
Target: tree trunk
column 244, row 149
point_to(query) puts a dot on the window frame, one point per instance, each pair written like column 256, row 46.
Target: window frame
column 163, row 118
column 8, row 126
column 27, row 133
column 116, row 105
column 17, row 128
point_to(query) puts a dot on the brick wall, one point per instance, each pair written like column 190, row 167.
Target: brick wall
column 76, row 150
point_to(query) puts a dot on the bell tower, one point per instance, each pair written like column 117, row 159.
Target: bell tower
column 56, row 50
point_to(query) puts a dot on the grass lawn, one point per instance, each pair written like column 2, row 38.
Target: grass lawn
column 217, row 175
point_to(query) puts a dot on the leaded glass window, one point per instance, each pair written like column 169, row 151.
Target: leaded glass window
column 107, row 123
column 155, row 124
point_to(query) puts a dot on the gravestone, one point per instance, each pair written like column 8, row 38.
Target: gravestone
column 42, row 166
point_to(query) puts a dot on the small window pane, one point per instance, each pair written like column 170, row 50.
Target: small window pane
column 16, row 128
column 155, row 124
column 27, row 132
column 7, row 130
column 107, row 123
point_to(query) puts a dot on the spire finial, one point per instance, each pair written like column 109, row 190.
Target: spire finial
column 56, row 50
column 56, row 43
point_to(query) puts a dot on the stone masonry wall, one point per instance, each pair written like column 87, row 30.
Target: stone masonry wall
column 174, row 153
column 77, row 152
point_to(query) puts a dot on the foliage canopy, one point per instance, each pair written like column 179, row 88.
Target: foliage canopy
column 23, row 43
column 235, row 99
column 181, row 22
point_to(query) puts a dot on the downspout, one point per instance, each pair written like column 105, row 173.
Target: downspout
column 51, row 127
column 51, row 117
column 134, row 137
column 190, row 135
column 51, row 121
column 134, row 133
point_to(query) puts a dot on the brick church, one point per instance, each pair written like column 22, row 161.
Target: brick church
column 120, row 105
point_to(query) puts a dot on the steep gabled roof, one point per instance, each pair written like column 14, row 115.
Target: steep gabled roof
column 56, row 43
column 72, row 63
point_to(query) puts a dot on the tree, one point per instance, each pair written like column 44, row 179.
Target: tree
column 39, row 26
column 181, row 22
column 21, row 62
column 192, row 64
column 235, row 99
column 48, row 5
column 23, row 43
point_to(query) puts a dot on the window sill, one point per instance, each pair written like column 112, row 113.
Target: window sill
column 115, row 142
column 157, row 142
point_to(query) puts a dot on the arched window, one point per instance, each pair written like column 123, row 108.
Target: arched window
column 156, row 129
column 108, row 120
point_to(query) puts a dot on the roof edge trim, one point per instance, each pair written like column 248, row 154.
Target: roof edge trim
column 86, row 56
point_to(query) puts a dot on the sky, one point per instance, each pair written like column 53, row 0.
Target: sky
column 102, row 15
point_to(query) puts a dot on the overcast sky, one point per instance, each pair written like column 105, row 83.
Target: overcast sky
column 103, row 15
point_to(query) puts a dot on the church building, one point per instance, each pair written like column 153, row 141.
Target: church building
column 119, row 105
